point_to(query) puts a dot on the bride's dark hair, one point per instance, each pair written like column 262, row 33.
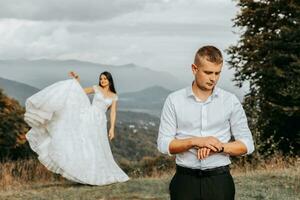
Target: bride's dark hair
column 110, row 80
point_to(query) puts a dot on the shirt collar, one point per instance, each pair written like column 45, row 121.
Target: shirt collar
column 215, row 93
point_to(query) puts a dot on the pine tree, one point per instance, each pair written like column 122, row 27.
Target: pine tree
column 268, row 57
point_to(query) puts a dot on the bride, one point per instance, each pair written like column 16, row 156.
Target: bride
column 69, row 134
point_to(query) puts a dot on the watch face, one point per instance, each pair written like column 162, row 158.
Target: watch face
column 222, row 150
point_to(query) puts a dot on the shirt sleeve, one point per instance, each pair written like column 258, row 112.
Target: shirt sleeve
column 167, row 127
column 239, row 125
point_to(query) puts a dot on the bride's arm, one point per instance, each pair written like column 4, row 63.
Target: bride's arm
column 88, row 90
column 113, row 112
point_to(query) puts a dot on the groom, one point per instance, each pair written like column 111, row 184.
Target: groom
column 197, row 124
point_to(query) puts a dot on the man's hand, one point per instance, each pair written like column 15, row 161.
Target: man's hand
column 204, row 153
column 183, row 145
column 209, row 142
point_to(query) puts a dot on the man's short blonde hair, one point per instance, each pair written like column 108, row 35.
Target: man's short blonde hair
column 210, row 53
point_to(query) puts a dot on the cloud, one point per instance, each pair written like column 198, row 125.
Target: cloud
column 99, row 10
column 158, row 34
column 69, row 10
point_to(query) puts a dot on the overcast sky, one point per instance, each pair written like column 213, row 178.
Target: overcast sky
column 157, row 34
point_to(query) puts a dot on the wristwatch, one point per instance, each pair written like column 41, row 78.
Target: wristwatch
column 222, row 150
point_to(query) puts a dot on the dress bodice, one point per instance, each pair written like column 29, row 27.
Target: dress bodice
column 100, row 101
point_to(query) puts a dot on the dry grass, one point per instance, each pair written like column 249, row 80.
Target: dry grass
column 276, row 178
column 276, row 162
column 20, row 173
column 274, row 184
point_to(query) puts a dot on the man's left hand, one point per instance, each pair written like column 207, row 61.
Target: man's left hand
column 204, row 152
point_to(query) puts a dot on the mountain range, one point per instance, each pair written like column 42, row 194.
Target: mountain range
column 149, row 100
column 127, row 78
column 16, row 90
column 139, row 89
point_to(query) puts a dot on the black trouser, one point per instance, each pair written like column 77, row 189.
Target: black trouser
column 193, row 184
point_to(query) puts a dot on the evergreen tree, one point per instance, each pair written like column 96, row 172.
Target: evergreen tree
column 267, row 56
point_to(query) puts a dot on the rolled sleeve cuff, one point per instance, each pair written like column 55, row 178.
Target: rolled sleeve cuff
column 249, row 145
column 163, row 146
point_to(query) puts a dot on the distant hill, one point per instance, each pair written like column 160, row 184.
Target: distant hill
column 149, row 100
column 154, row 94
column 128, row 78
column 17, row 90
column 136, row 135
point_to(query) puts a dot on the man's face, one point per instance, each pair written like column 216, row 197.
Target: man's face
column 206, row 74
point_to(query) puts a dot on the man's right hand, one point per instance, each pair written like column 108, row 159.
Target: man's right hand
column 209, row 142
column 183, row 145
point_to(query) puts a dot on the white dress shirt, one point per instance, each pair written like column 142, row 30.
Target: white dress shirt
column 185, row 116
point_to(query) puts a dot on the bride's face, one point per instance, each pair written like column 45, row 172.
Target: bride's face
column 104, row 81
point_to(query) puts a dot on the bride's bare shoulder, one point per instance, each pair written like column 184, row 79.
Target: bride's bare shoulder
column 114, row 96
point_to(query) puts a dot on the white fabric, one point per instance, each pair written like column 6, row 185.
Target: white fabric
column 185, row 116
column 69, row 134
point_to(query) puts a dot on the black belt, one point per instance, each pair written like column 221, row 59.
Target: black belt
column 199, row 172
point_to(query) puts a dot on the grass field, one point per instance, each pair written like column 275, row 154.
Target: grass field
column 281, row 184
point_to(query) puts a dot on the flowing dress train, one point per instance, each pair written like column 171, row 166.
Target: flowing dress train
column 69, row 134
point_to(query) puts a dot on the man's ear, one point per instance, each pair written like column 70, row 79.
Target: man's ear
column 194, row 68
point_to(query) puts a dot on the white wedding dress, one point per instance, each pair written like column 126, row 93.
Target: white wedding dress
column 69, row 134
